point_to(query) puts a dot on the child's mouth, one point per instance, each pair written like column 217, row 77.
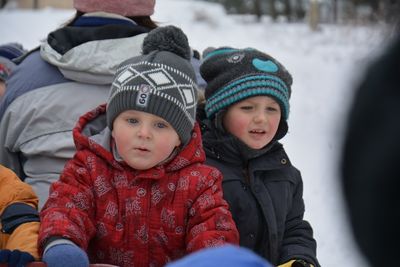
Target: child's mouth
column 142, row 149
column 257, row 132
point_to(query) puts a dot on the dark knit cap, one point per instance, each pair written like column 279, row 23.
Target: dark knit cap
column 161, row 82
column 233, row 75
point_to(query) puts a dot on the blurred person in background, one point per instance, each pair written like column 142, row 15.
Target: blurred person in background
column 8, row 52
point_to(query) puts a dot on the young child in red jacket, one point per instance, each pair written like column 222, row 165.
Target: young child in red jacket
column 137, row 192
column 19, row 220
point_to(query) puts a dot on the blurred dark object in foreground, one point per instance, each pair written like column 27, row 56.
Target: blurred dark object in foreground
column 371, row 160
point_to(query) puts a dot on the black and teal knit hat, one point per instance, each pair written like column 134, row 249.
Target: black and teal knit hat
column 233, row 75
column 162, row 82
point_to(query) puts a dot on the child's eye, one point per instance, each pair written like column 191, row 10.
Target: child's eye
column 132, row 121
column 161, row 125
column 271, row 109
column 246, row 107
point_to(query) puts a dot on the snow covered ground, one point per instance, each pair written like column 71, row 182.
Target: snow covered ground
column 325, row 65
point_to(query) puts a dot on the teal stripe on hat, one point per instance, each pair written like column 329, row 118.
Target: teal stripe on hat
column 241, row 86
column 246, row 90
column 285, row 89
column 211, row 110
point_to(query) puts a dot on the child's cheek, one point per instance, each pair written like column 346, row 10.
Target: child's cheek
column 238, row 127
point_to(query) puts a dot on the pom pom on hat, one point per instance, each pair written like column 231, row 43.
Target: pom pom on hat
column 233, row 75
column 127, row 8
column 162, row 82
column 167, row 38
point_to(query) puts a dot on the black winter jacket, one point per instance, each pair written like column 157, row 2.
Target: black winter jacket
column 265, row 194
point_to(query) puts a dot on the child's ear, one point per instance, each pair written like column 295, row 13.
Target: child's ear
column 178, row 143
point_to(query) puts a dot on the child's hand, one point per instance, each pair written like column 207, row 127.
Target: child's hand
column 15, row 258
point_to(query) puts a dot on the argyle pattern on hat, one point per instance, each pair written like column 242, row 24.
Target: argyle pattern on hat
column 156, row 88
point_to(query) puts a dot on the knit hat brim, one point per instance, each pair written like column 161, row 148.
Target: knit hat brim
column 159, row 104
column 249, row 86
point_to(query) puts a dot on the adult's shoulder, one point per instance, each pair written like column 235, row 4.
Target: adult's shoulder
column 31, row 74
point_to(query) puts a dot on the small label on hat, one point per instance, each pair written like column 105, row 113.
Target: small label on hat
column 143, row 96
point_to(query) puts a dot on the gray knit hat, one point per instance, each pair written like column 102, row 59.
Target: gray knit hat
column 233, row 75
column 161, row 82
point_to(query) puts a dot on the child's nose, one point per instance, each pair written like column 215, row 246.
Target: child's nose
column 144, row 131
column 260, row 117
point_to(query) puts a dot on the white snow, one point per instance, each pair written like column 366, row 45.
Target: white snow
column 325, row 65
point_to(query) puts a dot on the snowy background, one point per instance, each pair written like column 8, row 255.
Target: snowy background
column 325, row 65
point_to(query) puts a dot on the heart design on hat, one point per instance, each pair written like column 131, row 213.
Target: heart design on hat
column 265, row 65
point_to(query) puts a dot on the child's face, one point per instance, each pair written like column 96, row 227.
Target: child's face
column 254, row 120
column 143, row 140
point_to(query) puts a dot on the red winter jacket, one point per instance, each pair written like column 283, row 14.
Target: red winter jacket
column 126, row 217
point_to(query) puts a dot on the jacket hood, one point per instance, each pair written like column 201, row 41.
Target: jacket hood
column 92, row 54
column 220, row 144
column 91, row 132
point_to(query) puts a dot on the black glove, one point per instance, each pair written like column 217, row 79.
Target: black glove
column 15, row 258
column 300, row 263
